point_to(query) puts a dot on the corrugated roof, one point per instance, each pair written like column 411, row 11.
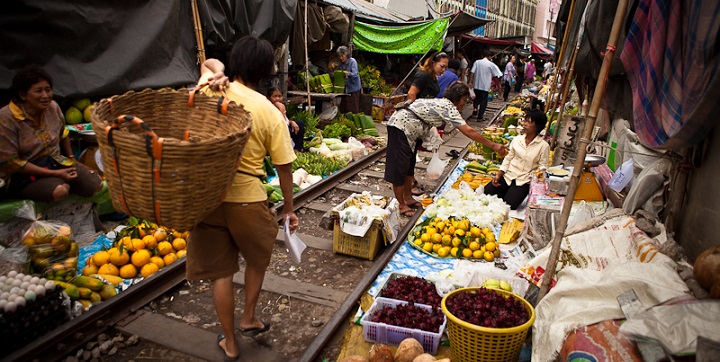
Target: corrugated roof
column 364, row 9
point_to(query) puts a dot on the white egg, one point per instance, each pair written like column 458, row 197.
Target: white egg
column 3, row 303
column 16, row 282
column 50, row 285
column 27, row 278
column 14, row 290
column 20, row 276
column 11, row 297
column 4, row 295
column 25, row 285
column 21, row 292
column 20, row 301
column 3, row 278
column 12, row 274
column 30, row 296
column 11, row 307
column 35, row 280
column 40, row 291
column 6, row 288
column 31, row 288
column 42, row 281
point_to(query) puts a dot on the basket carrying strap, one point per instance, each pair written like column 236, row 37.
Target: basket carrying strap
column 222, row 104
column 153, row 147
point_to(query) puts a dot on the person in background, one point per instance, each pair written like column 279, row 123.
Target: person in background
column 481, row 75
column 547, row 70
column 243, row 222
column 530, row 71
column 412, row 123
column 450, row 76
column 528, row 152
column 36, row 160
column 296, row 128
column 509, row 77
column 463, row 75
column 425, row 84
column 349, row 66
column 520, row 74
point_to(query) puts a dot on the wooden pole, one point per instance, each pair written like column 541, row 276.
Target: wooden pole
column 582, row 148
column 561, row 56
column 307, row 59
column 565, row 91
column 198, row 32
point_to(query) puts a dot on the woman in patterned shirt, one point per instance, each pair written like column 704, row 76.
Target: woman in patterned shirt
column 413, row 122
column 36, row 159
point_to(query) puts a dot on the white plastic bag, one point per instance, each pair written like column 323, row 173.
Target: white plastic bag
column 582, row 212
column 622, row 176
column 357, row 148
column 436, row 167
column 472, row 93
column 431, row 140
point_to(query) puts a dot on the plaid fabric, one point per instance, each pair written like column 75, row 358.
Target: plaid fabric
column 671, row 58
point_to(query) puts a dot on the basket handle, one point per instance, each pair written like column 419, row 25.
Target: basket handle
column 222, row 104
column 153, row 143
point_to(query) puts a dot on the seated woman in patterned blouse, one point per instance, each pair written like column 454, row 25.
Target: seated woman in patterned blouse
column 36, row 160
column 412, row 123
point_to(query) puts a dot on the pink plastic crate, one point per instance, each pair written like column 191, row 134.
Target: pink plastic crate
column 393, row 335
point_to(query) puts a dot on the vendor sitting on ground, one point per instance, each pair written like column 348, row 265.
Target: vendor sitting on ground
column 36, row 159
column 528, row 152
column 414, row 121
column 296, row 128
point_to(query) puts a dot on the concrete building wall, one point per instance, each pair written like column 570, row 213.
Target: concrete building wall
column 512, row 18
column 412, row 8
column 699, row 226
column 545, row 21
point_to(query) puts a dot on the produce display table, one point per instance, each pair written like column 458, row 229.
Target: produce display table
column 318, row 98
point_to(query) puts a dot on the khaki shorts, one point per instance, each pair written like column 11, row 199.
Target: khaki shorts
column 214, row 244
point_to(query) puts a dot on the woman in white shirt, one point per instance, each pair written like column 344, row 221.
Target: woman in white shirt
column 528, row 152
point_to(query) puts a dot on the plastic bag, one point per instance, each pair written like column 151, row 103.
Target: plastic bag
column 431, row 139
column 436, row 167
column 622, row 177
column 357, row 149
column 53, row 250
column 472, row 93
column 582, row 212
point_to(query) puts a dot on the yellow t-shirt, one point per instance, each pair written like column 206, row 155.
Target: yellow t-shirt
column 269, row 135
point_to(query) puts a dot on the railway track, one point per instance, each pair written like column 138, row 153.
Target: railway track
column 308, row 305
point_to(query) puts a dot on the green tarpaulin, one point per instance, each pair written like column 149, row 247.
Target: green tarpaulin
column 410, row 39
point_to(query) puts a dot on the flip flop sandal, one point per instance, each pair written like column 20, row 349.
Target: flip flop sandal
column 251, row 332
column 220, row 337
column 414, row 205
column 408, row 213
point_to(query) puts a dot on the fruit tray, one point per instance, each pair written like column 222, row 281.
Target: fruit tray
column 393, row 335
column 394, row 276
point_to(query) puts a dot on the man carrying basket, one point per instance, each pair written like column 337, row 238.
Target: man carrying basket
column 243, row 223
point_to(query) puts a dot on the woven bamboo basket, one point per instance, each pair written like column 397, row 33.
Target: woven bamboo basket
column 169, row 156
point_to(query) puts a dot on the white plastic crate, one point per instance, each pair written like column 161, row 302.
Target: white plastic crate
column 393, row 335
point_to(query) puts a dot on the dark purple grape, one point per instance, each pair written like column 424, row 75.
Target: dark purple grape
column 487, row 308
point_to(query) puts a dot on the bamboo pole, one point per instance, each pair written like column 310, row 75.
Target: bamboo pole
column 561, row 56
column 198, row 32
column 582, row 147
column 307, row 59
column 565, row 91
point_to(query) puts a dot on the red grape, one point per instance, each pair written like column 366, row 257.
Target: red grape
column 410, row 316
column 412, row 289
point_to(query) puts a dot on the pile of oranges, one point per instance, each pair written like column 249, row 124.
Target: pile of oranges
column 455, row 238
column 141, row 249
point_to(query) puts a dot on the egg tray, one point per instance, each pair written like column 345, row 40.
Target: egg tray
column 32, row 321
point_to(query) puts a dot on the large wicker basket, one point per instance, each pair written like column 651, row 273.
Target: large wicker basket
column 169, row 156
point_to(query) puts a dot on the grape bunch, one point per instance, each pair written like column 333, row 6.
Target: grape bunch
column 410, row 316
column 412, row 289
column 487, row 308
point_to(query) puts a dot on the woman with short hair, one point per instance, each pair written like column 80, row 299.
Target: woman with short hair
column 349, row 66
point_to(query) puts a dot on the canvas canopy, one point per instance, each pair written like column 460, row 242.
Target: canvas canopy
column 410, row 39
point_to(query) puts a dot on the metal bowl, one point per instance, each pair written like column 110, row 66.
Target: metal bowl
column 594, row 160
column 88, row 136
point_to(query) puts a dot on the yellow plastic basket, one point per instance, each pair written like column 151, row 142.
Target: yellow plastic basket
column 472, row 343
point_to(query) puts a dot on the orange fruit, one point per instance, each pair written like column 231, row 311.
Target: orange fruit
column 444, row 251
column 157, row 261
column 477, row 254
column 109, row 269
column 467, row 253
column 179, row 244
column 437, row 238
column 89, row 269
column 490, row 246
column 497, row 253
column 474, row 246
column 148, row 270
column 150, row 241
column 141, row 257
column 100, row 258
column 436, row 247
column 181, row 253
column 170, row 258
column 139, row 244
column 489, row 256
column 454, row 252
column 119, row 258
column 126, row 242
column 164, row 248
column 428, row 247
column 128, row 271
column 159, row 235
column 475, row 231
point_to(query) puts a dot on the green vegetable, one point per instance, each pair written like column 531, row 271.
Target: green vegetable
column 337, row 130
column 269, row 167
column 316, row 164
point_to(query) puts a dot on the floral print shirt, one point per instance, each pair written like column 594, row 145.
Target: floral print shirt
column 426, row 114
column 23, row 139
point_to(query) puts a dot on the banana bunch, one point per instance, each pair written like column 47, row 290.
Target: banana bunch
column 513, row 110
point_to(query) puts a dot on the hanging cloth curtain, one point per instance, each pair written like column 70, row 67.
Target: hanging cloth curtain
column 410, row 39
column 672, row 58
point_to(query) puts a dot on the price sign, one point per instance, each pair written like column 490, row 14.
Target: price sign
column 568, row 139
